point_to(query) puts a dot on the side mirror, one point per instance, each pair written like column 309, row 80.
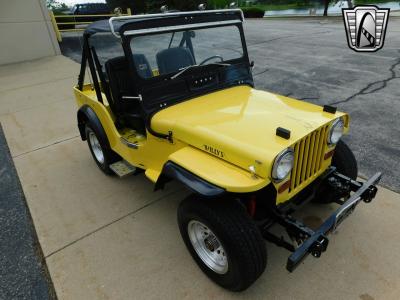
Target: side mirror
column 252, row 65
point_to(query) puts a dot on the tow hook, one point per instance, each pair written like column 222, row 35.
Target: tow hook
column 369, row 194
column 319, row 246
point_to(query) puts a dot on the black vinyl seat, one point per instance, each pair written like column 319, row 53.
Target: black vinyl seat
column 119, row 82
column 142, row 66
column 172, row 59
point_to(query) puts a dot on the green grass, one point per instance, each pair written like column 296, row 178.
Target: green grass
column 270, row 7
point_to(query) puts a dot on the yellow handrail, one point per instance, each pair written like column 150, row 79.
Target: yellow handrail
column 83, row 16
column 69, row 23
column 56, row 24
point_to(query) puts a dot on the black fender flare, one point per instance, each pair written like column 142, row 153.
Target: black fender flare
column 195, row 183
column 86, row 115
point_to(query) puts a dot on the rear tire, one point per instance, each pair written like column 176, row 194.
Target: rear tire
column 221, row 229
column 102, row 155
column 345, row 162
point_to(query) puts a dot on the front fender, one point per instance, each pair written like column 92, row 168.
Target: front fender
column 193, row 182
column 200, row 171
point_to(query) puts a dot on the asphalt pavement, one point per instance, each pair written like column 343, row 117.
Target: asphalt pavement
column 23, row 271
column 309, row 59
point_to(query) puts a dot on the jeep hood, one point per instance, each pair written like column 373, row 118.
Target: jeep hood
column 239, row 124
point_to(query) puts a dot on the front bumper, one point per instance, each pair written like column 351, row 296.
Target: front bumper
column 318, row 242
column 315, row 242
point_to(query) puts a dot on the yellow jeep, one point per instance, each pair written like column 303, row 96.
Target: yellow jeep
column 174, row 97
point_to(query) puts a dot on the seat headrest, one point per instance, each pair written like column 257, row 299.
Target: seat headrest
column 116, row 64
column 172, row 59
column 120, row 63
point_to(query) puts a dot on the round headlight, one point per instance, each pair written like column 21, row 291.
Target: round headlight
column 336, row 131
column 283, row 164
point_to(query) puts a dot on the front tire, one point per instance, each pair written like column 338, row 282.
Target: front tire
column 102, row 155
column 223, row 240
column 345, row 161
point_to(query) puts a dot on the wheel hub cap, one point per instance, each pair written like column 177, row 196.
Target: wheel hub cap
column 208, row 247
column 96, row 148
column 211, row 243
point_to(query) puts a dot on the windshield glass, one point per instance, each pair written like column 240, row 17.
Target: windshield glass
column 168, row 53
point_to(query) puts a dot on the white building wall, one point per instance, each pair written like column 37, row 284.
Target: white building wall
column 26, row 31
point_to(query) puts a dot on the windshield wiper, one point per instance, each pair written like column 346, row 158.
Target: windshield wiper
column 183, row 70
column 219, row 64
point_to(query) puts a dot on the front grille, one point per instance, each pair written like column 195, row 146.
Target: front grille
column 308, row 157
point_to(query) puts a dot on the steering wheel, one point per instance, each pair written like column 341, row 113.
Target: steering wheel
column 210, row 58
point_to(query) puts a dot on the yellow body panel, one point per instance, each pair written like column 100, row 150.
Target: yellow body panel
column 152, row 152
column 217, row 171
column 219, row 136
column 240, row 124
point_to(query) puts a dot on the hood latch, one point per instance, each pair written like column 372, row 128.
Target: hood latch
column 283, row 133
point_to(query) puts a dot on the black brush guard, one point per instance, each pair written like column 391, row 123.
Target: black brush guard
column 315, row 242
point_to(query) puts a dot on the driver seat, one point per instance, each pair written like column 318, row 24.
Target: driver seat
column 128, row 111
column 173, row 59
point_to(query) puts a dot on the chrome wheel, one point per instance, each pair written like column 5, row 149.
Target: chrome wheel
column 96, row 147
column 208, row 247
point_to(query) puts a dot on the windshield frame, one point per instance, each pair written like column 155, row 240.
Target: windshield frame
column 159, row 92
column 128, row 52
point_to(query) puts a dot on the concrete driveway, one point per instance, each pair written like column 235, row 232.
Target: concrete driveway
column 107, row 238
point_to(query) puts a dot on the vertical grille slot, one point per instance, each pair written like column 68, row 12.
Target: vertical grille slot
column 300, row 162
column 305, row 159
column 314, row 169
column 294, row 171
column 311, row 159
column 322, row 139
column 308, row 156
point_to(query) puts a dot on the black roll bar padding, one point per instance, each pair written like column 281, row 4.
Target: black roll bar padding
column 81, row 77
column 92, row 70
column 102, row 79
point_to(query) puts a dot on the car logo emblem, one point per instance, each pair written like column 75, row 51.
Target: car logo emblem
column 365, row 27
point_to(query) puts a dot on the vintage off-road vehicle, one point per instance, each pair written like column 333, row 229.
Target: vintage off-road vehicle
column 175, row 98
